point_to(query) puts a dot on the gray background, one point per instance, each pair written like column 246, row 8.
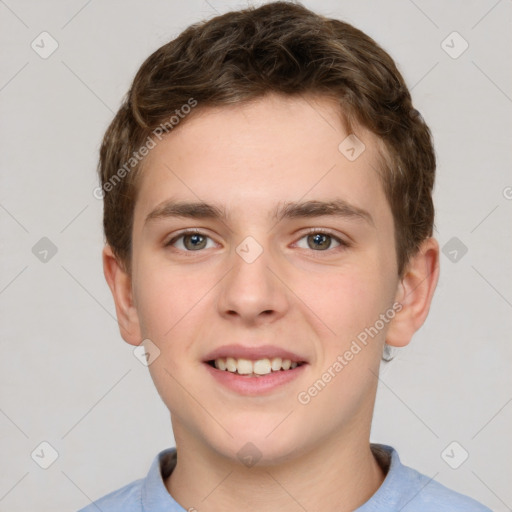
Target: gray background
column 67, row 377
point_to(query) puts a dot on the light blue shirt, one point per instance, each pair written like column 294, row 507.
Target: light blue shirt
column 404, row 489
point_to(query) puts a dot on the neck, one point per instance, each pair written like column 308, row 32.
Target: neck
column 340, row 475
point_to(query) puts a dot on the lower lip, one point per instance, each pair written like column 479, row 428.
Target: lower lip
column 255, row 385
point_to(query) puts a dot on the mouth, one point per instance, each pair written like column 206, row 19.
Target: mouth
column 254, row 368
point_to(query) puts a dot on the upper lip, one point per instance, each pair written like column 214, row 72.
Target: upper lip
column 253, row 353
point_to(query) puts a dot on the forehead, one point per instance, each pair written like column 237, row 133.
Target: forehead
column 258, row 154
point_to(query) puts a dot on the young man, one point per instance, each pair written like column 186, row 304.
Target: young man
column 268, row 215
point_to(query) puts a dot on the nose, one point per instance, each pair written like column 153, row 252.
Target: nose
column 254, row 292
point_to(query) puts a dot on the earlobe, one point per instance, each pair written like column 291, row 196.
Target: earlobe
column 119, row 282
column 414, row 293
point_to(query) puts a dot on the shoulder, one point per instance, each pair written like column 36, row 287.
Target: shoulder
column 408, row 490
column 433, row 496
column 125, row 499
column 144, row 495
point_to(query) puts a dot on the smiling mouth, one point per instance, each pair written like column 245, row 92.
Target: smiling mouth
column 254, row 368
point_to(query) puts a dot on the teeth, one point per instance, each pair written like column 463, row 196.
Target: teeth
column 262, row 367
column 230, row 364
column 259, row 367
column 276, row 363
column 244, row 367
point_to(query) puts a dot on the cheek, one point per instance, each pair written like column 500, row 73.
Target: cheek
column 166, row 299
column 349, row 300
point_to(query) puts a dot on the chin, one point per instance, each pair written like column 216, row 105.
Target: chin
column 255, row 441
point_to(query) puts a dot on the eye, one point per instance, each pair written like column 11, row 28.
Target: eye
column 321, row 241
column 317, row 240
column 190, row 241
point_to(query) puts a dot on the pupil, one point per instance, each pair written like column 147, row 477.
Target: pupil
column 318, row 239
column 195, row 241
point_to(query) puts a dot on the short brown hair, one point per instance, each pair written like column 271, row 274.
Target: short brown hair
column 283, row 48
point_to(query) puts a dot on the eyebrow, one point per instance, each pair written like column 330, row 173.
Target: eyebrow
column 288, row 210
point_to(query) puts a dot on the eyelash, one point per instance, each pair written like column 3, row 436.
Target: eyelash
column 311, row 231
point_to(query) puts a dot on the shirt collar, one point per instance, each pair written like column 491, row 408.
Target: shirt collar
column 154, row 494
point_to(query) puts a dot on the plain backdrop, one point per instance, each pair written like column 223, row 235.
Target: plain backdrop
column 67, row 377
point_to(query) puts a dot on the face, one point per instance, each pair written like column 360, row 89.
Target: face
column 293, row 259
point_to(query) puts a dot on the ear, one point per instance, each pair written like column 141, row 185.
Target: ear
column 415, row 291
column 120, row 284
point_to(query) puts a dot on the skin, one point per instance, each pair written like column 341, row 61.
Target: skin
column 250, row 158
